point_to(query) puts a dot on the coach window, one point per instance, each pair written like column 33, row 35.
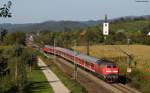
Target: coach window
column 92, row 65
column 99, row 62
column 108, row 66
column 114, row 66
column 87, row 63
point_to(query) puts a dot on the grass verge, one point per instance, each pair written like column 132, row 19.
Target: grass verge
column 66, row 79
column 38, row 83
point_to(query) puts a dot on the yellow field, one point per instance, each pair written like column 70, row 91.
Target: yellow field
column 141, row 53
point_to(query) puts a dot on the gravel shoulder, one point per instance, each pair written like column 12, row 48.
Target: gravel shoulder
column 54, row 81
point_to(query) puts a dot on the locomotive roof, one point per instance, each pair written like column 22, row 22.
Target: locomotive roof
column 103, row 61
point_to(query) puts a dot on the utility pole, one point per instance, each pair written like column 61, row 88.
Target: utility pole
column 86, row 40
column 128, row 41
column 84, row 37
column 88, row 46
column 16, row 71
column 54, row 45
column 129, row 55
column 129, row 60
column 75, row 64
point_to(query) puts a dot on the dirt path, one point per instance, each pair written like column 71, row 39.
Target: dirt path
column 57, row 85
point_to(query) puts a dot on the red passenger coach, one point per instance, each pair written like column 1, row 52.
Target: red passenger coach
column 107, row 69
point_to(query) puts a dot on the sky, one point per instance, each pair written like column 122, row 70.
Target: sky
column 36, row 11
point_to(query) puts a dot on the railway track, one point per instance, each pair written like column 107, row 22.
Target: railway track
column 113, row 88
column 124, row 88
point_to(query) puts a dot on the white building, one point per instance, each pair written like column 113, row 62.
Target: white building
column 31, row 38
column 148, row 34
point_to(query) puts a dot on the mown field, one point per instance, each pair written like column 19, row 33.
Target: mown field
column 140, row 75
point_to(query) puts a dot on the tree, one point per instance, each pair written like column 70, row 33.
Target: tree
column 3, row 66
column 146, row 29
column 120, row 36
column 5, row 10
column 3, row 34
column 15, row 38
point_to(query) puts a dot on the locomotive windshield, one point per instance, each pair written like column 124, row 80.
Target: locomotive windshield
column 99, row 62
column 111, row 66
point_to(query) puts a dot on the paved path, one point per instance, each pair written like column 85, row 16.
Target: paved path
column 56, row 84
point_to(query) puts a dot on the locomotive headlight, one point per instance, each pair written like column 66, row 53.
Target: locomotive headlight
column 108, row 71
column 111, row 70
column 115, row 71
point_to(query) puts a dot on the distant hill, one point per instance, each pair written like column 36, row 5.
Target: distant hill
column 48, row 26
column 62, row 25
column 131, row 18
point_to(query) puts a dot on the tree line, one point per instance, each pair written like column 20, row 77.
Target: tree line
column 120, row 33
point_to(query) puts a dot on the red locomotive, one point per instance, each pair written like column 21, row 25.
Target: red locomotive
column 107, row 69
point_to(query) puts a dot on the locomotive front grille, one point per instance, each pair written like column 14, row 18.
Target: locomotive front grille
column 112, row 78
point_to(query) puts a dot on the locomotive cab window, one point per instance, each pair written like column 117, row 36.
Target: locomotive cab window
column 99, row 62
column 111, row 66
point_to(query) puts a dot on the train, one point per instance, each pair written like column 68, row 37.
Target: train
column 106, row 69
